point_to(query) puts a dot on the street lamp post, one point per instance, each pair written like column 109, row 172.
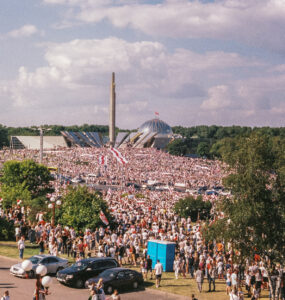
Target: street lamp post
column 52, row 205
column 41, row 271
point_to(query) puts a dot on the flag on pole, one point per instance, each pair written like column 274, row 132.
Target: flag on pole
column 19, row 202
column 104, row 218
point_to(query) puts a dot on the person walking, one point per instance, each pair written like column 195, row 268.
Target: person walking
column 5, row 296
column 21, row 246
column 199, row 275
column 158, row 273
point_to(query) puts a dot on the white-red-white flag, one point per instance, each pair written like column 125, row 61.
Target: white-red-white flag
column 103, row 160
column 118, row 155
column 104, row 218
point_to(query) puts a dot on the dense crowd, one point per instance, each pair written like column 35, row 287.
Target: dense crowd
column 142, row 218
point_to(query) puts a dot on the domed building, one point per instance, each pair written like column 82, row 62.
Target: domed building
column 156, row 125
column 154, row 133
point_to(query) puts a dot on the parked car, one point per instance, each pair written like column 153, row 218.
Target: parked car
column 78, row 273
column 118, row 278
column 52, row 263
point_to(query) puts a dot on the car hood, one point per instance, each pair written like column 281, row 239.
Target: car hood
column 69, row 270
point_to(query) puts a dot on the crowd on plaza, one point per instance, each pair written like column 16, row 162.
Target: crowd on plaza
column 145, row 217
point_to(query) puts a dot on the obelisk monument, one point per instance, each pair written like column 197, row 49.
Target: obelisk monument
column 112, row 112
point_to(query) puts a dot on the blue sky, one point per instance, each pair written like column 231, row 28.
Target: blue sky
column 195, row 62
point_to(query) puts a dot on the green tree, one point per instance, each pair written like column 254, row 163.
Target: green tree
column 7, row 231
column 203, row 149
column 193, row 207
column 177, row 147
column 4, row 141
column 25, row 180
column 255, row 214
column 81, row 209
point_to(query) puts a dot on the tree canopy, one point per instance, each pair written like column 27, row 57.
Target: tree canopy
column 81, row 209
column 193, row 207
column 27, row 181
column 254, row 219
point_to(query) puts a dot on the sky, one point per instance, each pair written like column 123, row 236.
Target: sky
column 195, row 62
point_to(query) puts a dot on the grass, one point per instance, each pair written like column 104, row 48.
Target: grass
column 181, row 286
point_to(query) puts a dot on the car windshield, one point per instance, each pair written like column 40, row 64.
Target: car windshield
column 34, row 260
column 108, row 273
column 80, row 265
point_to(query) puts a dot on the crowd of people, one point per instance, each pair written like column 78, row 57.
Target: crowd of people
column 144, row 215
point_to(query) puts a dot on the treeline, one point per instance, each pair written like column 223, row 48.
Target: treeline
column 207, row 141
column 7, row 132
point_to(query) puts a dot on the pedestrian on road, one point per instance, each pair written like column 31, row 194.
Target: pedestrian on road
column 21, row 246
column 5, row 296
column 158, row 272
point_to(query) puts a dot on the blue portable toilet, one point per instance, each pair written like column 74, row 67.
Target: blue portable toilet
column 162, row 250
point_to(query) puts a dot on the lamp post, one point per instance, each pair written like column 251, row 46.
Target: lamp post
column 52, row 205
column 41, row 271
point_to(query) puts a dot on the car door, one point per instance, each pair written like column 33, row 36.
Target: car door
column 52, row 265
column 95, row 269
column 44, row 262
column 121, row 280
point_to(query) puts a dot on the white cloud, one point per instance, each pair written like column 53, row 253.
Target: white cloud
column 24, row 31
column 184, row 86
column 255, row 22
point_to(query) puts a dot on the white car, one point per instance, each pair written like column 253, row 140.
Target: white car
column 52, row 263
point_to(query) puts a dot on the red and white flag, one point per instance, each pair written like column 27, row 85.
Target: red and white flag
column 118, row 155
column 156, row 113
column 19, row 202
column 104, row 218
column 1, row 199
column 103, row 160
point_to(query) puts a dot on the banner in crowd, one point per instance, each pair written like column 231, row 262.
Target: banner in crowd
column 103, row 160
column 104, row 218
column 118, row 155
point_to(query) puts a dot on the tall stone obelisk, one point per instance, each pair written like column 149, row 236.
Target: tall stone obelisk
column 112, row 112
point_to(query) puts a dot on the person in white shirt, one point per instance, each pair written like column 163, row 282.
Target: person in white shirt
column 158, row 272
column 21, row 247
column 5, row 296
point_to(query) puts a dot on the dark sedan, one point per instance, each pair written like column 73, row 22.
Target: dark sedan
column 118, row 278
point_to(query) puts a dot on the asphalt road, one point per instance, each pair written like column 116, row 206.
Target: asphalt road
column 22, row 289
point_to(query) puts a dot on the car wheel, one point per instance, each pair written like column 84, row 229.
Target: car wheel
column 31, row 274
column 109, row 289
column 135, row 284
column 79, row 283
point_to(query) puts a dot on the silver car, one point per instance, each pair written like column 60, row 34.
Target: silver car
column 52, row 263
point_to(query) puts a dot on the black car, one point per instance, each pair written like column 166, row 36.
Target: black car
column 78, row 273
column 118, row 278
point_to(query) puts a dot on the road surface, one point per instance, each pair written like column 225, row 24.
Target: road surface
column 22, row 289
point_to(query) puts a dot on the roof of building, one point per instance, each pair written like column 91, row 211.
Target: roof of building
column 156, row 125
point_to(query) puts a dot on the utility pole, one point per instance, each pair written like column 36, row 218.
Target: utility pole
column 41, row 144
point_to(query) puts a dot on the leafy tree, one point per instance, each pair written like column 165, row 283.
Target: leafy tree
column 203, row 149
column 3, row 136
column 7, row 231
column 192, row 207
column 254, row 216
column 25, row 180
column 81, row 209
column 177, row 147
